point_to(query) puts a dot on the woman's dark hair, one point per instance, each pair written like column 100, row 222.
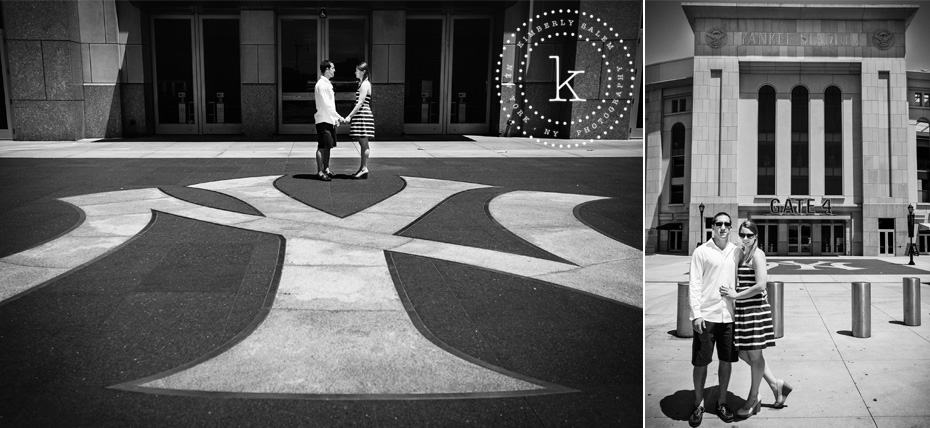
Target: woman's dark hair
column 324, row 65
column 751, row 225
column 363, row 67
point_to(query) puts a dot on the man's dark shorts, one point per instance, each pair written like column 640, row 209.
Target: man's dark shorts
column 325, row 136
column 702, row 346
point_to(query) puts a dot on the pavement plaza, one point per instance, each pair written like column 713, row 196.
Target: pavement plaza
column 839, row 380
column 485, row 281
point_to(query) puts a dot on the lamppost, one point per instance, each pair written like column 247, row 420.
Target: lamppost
column 910, row 233
column 701, row 237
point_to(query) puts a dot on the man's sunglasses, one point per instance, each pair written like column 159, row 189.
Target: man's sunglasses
column 747, row 235
column 722, row 223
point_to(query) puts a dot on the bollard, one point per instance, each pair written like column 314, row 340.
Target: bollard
column 684, row 312
column 862, row 309
column 911, row 301
column 775, row 291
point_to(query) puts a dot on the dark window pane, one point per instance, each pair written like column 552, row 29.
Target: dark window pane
column 174, row 71
column 800, row 151
column 886, row 223
column 423, row 62
column 221, row 70
column 470, row 56
column 766, row 150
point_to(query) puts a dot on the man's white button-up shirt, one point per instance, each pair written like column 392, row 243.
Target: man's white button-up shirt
column 712, row 268
column 325, row 99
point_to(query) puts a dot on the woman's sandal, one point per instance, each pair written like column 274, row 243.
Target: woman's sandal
column 744, row 413
column 783, row 390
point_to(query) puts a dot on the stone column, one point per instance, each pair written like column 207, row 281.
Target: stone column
column 816, row 147
column 132, row 71
column 884, row 150
column 388, row 62
column 46, row 80
column 656, row 161
column 100, row 50
column 258, row 68
column 747, row 157
column 620, row 48
column 783, row 143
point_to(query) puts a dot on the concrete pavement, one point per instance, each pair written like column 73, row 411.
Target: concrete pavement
column 839, row 380
column 478, row 282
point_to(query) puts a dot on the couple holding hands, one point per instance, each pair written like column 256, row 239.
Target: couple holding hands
column 729, row 309
column 361, row 120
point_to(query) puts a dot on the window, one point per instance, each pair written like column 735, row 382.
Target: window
column 677, row 165
column 923, row 161
column 679, row 105
column 800, row 147
column 922, row 99
column 833, row 141
column 766, row 161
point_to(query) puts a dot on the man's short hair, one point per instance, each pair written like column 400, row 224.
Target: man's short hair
column 723, row 213
column 324, row 65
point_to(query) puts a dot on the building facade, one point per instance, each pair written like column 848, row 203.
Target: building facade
column 802, row 118
column 121, row 68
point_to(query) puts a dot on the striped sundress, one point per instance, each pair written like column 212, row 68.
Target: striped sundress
column 363, row 123
column 754, row 329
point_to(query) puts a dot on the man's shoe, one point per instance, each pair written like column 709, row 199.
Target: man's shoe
column 697, row 415
column 323, row 176
column 724, row 412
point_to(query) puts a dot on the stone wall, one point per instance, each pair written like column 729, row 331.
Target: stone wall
column 46, row 77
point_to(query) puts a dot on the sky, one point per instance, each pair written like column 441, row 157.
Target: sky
column 668, row 35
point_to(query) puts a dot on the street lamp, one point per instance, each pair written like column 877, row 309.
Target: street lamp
column 703, row 225
column 910, row 233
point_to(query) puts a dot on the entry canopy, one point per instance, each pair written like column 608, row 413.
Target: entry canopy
column 923, row 226
column 670, row 226
column 752, row 10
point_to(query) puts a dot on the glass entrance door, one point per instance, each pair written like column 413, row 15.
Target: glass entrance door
column 886, row 242
column 6, row 131
column 196, row 74
column 768, row 238
column 833, row 238
column 448, row 69
column 305, row 41
column 799, row 239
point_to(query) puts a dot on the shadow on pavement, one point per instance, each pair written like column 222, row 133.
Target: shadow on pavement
column 678, row 405
column 674, row 333
column 845, row 333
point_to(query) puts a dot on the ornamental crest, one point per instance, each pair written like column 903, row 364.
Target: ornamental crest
column 883, row 39
column 715, row 38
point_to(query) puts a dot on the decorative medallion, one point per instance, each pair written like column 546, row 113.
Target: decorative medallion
column 883, row 39
column 715, row 38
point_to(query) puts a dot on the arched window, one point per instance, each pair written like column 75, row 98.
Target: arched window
column 923, row 160
column 800, row 147
column 677, row 165
column 766, row 128
column 833, row 141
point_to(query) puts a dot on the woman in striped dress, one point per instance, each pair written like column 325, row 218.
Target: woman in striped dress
column 753, row 316
column 362, row 122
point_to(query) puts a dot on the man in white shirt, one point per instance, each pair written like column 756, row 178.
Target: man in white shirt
column 713, row 265
column 326, row 118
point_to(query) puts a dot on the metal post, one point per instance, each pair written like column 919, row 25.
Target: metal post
column 912, row 301
column 862, row 309
column 684, row 312
column 775, row 291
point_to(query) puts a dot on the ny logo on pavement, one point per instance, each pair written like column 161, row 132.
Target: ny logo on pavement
column 337, row 326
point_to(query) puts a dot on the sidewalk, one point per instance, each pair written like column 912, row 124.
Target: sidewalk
column 480, row 146
column 838, row 380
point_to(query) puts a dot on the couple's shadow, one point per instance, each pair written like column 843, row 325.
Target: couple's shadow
column 678, row 405
column 317, row 177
